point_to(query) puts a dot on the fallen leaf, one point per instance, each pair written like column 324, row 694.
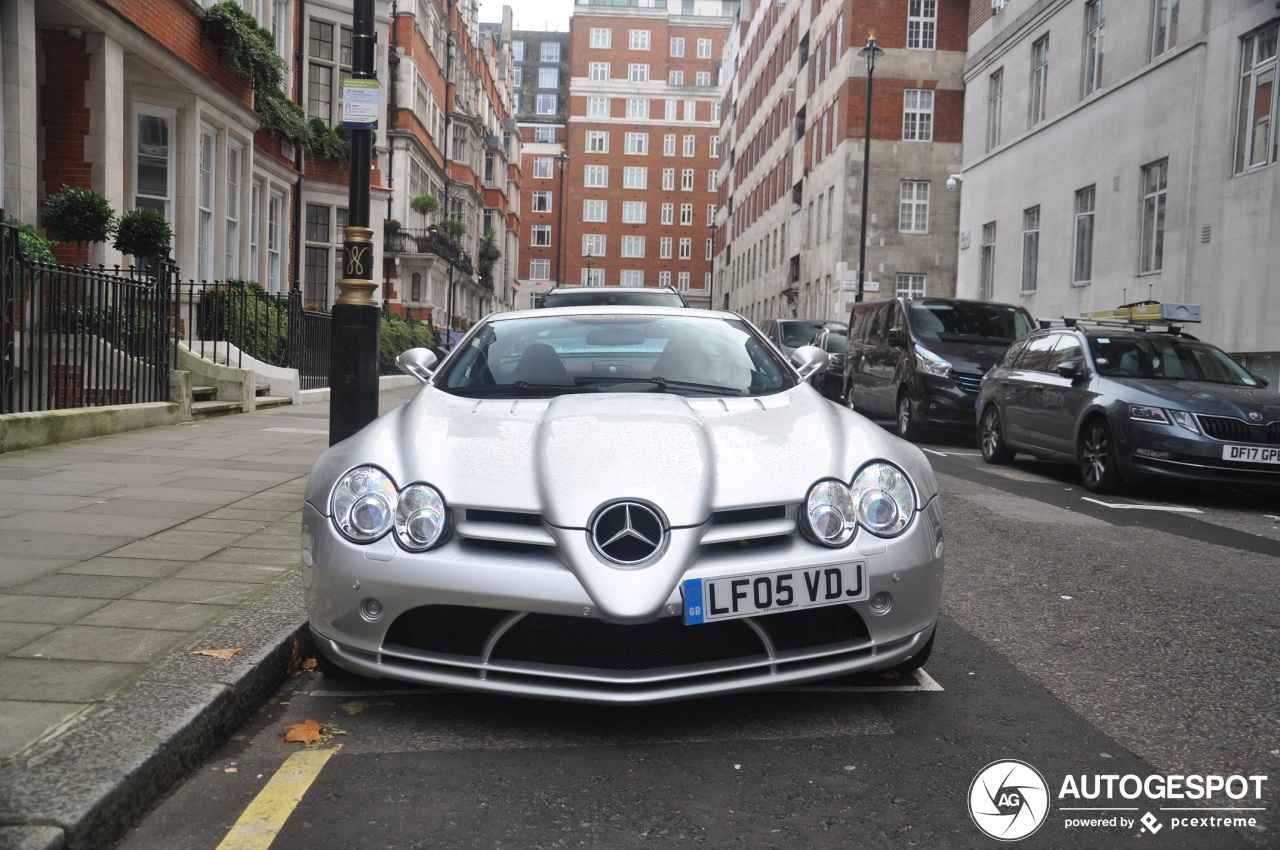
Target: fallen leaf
column 890, row 675
column 295, row 662
column 310, row 665
column 307, row 732
column 224, row 654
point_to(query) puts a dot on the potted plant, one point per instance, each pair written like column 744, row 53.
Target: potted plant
column 145, row 235
column 79, row 215
column 424, row 204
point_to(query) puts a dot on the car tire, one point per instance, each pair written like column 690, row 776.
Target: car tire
column 991, row 438
column 918, row 660
column 1097, row 454
column 906, row 426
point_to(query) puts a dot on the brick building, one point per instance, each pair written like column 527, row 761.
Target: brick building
column 794, row 129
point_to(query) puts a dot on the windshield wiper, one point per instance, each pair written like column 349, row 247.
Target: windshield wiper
column 667, row 384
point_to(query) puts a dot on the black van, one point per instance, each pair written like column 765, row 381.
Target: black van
column 920, row 361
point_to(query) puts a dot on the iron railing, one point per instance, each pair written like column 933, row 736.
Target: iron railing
column 428, row 241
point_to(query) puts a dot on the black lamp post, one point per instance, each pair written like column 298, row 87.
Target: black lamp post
column 563, row 159
column 711, row 281
column 589, row 268
column 869, row 53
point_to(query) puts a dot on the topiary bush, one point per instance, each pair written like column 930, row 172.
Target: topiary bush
column 79, row 215
column 143, row 234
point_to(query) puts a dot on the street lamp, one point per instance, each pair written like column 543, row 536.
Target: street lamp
column 589, row 269
column 563, row 159
column 869, row 53
column 711, row 279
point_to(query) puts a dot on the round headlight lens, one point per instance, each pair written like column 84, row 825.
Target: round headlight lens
column 364, row 504
column 422, row 517
column 829, row 511
column 884, row 499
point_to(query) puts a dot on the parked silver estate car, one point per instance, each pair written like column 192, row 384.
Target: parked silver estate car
column 620, row 505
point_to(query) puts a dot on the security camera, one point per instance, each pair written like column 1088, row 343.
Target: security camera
column 953, row 181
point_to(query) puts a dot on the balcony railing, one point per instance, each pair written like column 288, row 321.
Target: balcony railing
column 428, row 240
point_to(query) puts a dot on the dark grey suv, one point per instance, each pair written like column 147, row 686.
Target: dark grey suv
column 1128, row 404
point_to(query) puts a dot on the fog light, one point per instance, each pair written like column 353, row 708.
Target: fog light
column 881, row 603
column 1153, row 454
column 371, row 609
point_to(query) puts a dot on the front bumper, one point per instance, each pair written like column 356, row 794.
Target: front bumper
column 945, row 402
column 1155, row 451
column 504, row 596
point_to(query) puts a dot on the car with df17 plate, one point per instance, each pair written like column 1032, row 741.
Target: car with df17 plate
column 617, row 296
column 620, row 505
column 919, row 361
column 1126, row 395
column 789, row 334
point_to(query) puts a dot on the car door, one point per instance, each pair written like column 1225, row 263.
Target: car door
column 1061, row 399
column 882, row 362
column 1020, row 388
column 866, row 321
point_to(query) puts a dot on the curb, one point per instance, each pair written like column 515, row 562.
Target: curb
column 86, row 787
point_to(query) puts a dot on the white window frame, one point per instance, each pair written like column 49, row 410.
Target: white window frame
column 686, row 215
column 677, row 47
column 601, row 38
column 1155, row 198
column 669, row 144
column 548, row 77
column 635, row 177
column 702, row 78
column 543, row 167
column 664, row 248
column 1095, row 31
column 638, row 107
column 595, row 177
column 539, row 269
column 995, row 105
column 910, row 285
column 635, row 212
column 922, row 24
column 593, row 245
column 541, row 201
column 668, row 179
column 638, row 39
column 549, row 52
column 686, row 248
column 913, row 206
column 151, row 201
column 689, row 146
column 233, row 214
column 631, row 277
column 206, row 200
column 668, row 213
column 598, row 71
column 596, row 141
column 632, row 247
column 917, row 115
column 638, row 72
column 595, row 209
column 637, row 144
column 1039, row 88
column 1030, row 249
column 686, row 180
column 1255, row 129
column 1082, row 241
column 275, row 241
column 704, row 48
column 546, row 103
column 675, row 78
column 1164, row 27
column 540, row 236
column 597, row 107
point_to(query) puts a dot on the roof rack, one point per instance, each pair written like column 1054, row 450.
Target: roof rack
column 1142, row 316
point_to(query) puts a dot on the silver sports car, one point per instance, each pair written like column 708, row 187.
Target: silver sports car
column 620, row 505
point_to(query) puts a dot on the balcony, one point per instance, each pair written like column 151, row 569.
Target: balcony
column 429, row 240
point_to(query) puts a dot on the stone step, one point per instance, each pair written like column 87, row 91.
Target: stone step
column 272, row 401
column 207, row 409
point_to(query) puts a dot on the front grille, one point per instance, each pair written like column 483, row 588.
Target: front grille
column 1230, row 429
column 967, row 381
column 592, row 644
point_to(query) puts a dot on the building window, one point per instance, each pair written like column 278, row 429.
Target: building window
column 987, row 262
column 668, row 179
column 595, row 210
column 542, row 202
column 548, row 78
column 711, row 249
column 664, row 248
column 597, row 141
column 545, row 104
column 593, row 244
column 234, row 160
column 542, row 166
column 1030, row 248
column 321, row 66
column 690, row 145
column 686, row 214
column 711, row 214
column 675, row 78
column 316, row 277
column 1039, row 79
column 255, row 224
column 1082, row 265
column 598, row 71
column 544, row 133
column 631, row 277
column 686, row 180
column 601, row 37
column 1095, row 28
column 517, row 50
column 638, row 39
column 677, row 47
column 682, row 281
column 917, row 115
column 664, row 278
column 1164, row 32
column 713, row 150
column 415, row 287
column 668, row 213
column 637, row 143
column 922, row 24
column 995, row 101
column 517, row 76
column 702, row 78
column 634, row 177
column 910, row 285
column 598, row 107
column 540, row 236
column 204, row 204
column 913, row 207
column 713, row 181
column 632, row 246
column 1155, row 183
column 686, row 248
column 540, row 270
column 634, row 212
column 595, row 176
column 275, row 242
column 704, row 48
column 669, row 144
column 669, row 113
column 153, row 176
column 637, row 107
column 691, row 110
column 550, row 51
column 638, row 73
column 1255, row 133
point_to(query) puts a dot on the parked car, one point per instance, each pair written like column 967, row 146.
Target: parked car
column 789, row 334
column 630, row 296
column 620, row 505
column 920, row 362
column 830, row 380
column 1130, row 404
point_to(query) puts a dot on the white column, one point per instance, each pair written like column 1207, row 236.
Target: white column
column 18, row 80
column 104, row 146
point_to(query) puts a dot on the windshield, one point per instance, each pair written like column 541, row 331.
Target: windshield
column 604, row 296
column 1166, row 357
column 552, row 355
column 798, row 333
column 834, row 343
column 968, row 321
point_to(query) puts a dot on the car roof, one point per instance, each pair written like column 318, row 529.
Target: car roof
column 613, row 310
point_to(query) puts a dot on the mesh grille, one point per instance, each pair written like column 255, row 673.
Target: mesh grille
column 815, row 627
column 1237, row 430
column 450, row 629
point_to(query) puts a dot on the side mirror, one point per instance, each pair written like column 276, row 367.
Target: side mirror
column 809, row 360
column 1260, row 379
column 897, row 338
column 1070, row 369
column 418, row 362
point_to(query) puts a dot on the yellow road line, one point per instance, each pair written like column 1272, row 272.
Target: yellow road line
column 262, row 820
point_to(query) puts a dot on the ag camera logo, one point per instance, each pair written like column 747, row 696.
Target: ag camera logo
column 1008, row 800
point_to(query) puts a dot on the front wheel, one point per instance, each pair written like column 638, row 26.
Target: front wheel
column 1097, row 453
column 907, row 427
column 991, row 438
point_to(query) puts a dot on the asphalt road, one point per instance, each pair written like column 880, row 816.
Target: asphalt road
column 1080, row 636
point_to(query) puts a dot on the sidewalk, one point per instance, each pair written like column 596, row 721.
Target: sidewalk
column 120, row 555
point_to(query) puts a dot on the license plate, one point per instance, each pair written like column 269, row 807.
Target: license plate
column 710, row 599
column 1252, row 454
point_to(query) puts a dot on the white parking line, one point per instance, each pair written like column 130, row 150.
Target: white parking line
column 1167, row 508
column 299, row 431
column 950, row 454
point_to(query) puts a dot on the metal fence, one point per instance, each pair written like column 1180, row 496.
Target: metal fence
column 81, row 337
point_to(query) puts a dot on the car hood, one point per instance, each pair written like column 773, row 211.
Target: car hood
column 565, row 457
column 1204, row 397
column 968, row 356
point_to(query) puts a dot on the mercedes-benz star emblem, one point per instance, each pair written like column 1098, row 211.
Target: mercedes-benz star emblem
column 628, row 533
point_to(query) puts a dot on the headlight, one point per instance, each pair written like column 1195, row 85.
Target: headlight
column 421, row 518
column 930, row 363
column 1186, row 420
column 364, row 504
column 1146, row 413
column 883, row 498
column 829, row 513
